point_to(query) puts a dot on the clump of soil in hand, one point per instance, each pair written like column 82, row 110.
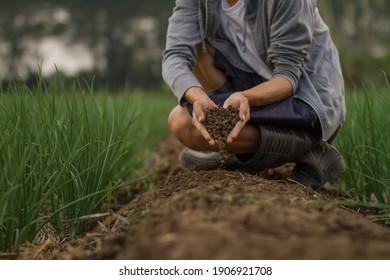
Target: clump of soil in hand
column 219, row 122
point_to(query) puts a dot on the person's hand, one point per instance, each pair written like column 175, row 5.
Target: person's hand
column 239, row 101
column 198, row 117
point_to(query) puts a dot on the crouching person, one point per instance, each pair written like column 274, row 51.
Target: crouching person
column 272, row 59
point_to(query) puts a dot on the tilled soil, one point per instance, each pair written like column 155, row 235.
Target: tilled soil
column 224, row 214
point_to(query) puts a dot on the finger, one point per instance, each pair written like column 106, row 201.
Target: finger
column 244, row 112
column 235, row 131
column 231, row 102
column 226, row 105
column 207, row 136
column 203, row 131
column 212, row 104
column 198, row 113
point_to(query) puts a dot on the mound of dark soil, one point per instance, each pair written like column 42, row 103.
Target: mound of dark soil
column 224, row 214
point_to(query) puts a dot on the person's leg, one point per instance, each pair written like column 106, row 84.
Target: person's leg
column 256, row 147
column 278, row 145
column 180, row 125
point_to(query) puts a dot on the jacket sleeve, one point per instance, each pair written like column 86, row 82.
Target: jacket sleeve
column 291, row 35
column 179, row 56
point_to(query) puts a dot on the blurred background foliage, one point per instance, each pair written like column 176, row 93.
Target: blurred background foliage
column 119, row 43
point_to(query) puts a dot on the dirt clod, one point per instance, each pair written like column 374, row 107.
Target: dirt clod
column 219, row 122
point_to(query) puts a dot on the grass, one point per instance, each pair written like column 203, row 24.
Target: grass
column 365, row 143
column 63, row 153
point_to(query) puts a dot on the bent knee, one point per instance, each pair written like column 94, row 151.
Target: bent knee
column 180, row 125
column 178, row 120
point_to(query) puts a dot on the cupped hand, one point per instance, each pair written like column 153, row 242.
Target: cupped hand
column 198, row 117
column 239, row 101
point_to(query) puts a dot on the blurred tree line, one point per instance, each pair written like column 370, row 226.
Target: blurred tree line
column 360, row 31
column 124, row 39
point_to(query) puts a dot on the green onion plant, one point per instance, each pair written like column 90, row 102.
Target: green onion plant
column 62, row 154
column 365, row 143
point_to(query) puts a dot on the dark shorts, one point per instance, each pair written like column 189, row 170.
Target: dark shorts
column 289, row 112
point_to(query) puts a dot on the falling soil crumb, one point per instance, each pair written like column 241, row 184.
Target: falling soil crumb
column 219, row 122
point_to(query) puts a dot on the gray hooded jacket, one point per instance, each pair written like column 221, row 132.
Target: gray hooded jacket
column 290, row 37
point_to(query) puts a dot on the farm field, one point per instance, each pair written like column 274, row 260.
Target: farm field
column 174, row 213
column 225, row 215
column 89, row 171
